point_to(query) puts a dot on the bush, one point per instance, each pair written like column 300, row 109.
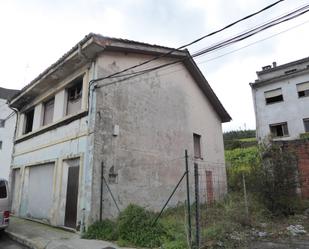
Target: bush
column 275, row 179
column 270, row 172
column 104, row 230
column 135, row 226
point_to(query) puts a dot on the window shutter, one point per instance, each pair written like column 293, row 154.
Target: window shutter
column 302, row 87
column 273, row 93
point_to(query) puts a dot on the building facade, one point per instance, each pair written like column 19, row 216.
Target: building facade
column 7, row 129
column 80, row 129
column 281, row 100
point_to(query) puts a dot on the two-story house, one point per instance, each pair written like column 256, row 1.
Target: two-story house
column 7, row 129
column 79, row 126
column 281, row 101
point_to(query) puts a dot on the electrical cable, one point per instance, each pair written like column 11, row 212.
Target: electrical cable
column 191, row 43
column 225, row 43
column 253, row 43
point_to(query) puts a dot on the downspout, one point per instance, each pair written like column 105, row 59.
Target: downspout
column 90, row 103
column 13, row 150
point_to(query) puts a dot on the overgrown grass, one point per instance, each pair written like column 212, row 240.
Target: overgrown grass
column 224, row 224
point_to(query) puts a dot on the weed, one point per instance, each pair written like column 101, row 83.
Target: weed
column 104, row 230
column 135, row 226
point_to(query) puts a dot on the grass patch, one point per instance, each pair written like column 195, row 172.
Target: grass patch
column 224, row 224
column 104, row 230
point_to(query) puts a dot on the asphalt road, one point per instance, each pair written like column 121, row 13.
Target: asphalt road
column 7, row 243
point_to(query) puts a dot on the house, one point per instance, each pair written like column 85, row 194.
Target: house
column 281, row 100
column 280, row 96
column 7, row 129
column 80, row 130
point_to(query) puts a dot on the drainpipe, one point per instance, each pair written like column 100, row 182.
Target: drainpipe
column 101, row 191
column 13, row 149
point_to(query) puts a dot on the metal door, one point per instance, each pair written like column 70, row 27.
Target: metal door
column 71, row 197
column 209, row 186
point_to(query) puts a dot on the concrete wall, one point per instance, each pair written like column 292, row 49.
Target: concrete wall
column 292, row 110
column 156, row 114
column 6, row 136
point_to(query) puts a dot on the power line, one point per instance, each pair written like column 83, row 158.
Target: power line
column 295, row 13
column 233, row 51
column 254, row 31
column 191, row 43
column 253, row 43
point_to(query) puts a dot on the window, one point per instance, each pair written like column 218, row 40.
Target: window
column 273, row 96
column 2, row 123
column 197, row 146
column 74, row 101
column 0, row 145
column 279, row 130
column 306, row 124
column 303, row 89
column 3, row 192
column 28, row 121
column 48, row 111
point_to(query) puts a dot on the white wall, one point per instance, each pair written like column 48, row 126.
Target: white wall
column 6, row 136
column 292, row 110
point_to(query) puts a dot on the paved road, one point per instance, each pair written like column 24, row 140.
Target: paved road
column 7, row 243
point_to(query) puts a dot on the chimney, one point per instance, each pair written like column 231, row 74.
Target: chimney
column 266, row 67
column 274, row 64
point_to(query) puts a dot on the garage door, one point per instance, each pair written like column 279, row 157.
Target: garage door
column 40, row 191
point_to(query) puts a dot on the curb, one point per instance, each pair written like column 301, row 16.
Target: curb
column 24, row 240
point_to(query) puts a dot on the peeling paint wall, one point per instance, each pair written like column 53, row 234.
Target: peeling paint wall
column 71, row 140
column 157, row 114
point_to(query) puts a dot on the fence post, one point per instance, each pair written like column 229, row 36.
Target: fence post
column 245, row 196
column 188, row 197
column 197, row 205
column 101, row 190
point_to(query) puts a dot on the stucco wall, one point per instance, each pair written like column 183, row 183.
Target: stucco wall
column 157, row 115
column 70, row 137
column 292, row 110
column 6, row 136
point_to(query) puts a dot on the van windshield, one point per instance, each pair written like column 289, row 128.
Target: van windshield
column 3, row 192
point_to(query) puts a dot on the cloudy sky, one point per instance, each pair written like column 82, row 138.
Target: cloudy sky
column 35, row 33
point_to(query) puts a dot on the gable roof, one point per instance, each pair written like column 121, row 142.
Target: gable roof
column 92, row 44
column 6, row 93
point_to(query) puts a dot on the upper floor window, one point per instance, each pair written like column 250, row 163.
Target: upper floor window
column 0, row 145
column 279, row 130
column 74, row 101
column 2, row 123
column 273, row 96
column 29, row 115
column 48, row 111
column 306, row 124
column 197, row 145
column 303, row 89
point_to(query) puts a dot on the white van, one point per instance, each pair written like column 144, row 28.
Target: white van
column 4, row 204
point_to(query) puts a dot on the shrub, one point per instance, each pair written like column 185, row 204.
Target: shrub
column 275, row 179
column 104, row 230
column 135, row 226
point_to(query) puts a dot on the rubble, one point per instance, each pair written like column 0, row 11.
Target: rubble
column 296, row 230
